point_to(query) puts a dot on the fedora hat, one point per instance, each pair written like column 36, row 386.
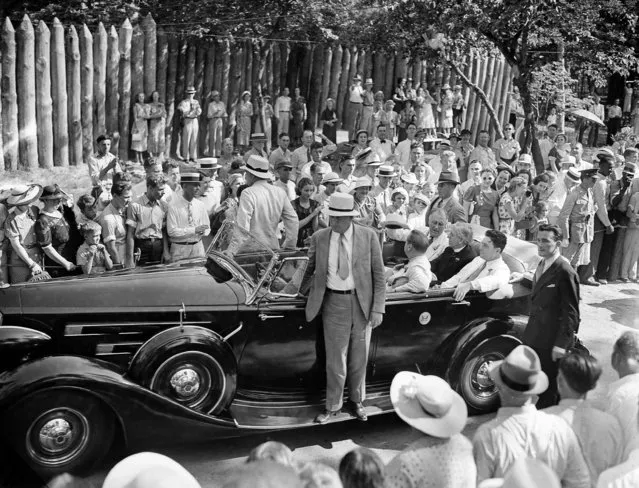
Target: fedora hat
column 369, row 81
column 374, row 160
column 283, row 163
column 629, row 168
column 258, row 136
column 394, row 221
column 365, row 153
column 525, row 473
column 190, row 89
column 386, row 170
column 51, row 192
column 361, row 182
column 409, row 178
column 190, row 176
column 428, row 404
column 24, row 195
column 357, row 78
column 448, row 177
column 591, row 173
column 520, row 372
column 126, row 472
column 259, row 166
column 208, row 164
column 342, row 205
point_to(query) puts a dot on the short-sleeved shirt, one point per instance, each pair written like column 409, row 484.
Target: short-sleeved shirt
column 99, row 260
column 148, row 218
column 113, row 229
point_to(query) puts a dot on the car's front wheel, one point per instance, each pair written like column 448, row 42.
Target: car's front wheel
column 60, row 431
column 474, row 384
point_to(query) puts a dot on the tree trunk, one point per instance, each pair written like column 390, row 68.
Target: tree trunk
column 417, row 71
column 292, row 68
column 257, row 63
column 10, row 134
column 150, row 54
column 112, row 89
column 27, row 128
column 99, row 82
column 136, row 63
column 531, row 144
column 59, row 95
column 44, row 105
column 124, row 107
column 315, row 87
column 226, row 71
column 368, row 65
column 201, row 94
column 389, row 78
column 171, row 79
column 179, row 96
column 277, row 61
column 190, row 65
column 336, row 71
column 284, row 55
column 325, row 73
column 503, row 94
column 490, row 74
column 86, row 55
column 268, row 80
column 344, row 84
column 379, row 62
column 361, row 64
column 305, row 72
column 218, row 68
column 162, row 55
column 247, row 71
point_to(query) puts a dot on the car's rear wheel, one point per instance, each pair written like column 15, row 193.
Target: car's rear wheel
column 60, row 431
column 474, row 383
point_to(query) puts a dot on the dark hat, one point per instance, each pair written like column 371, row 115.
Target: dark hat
column 364, row 154
column 190, row 89
column 51, row 192
column 604, row 158
column 444, row 143
column 190, row 177
column 504, row 167
column 587, row 173
column 283, row 164
column 629, row 168
column 448, row 177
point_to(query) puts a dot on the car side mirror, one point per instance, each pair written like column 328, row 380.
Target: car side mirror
column 288, row 278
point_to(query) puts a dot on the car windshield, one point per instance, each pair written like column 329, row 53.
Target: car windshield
column 236, row 244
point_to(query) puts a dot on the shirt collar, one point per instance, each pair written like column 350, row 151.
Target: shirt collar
column 549, row 262
column 510, row 411
column 348, row 234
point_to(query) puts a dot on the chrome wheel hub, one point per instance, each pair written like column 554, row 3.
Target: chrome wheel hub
column 56, row 435
column 186, row 383
column 483, row 378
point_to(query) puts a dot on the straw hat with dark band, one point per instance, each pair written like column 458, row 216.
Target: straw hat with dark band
column 259, row 167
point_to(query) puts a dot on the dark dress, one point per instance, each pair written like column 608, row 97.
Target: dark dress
column 330, row 131
column 296, row 129
column 62, row 235
column 307, row 231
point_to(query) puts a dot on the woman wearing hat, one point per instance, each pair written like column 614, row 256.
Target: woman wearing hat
column 24, row 258
column 244, row 114
column 391, row 118
column 190, row 110
column 445, row 110
column 504, row 175
column 424, row 111
column 157, row 124
column 216, row 115
column 508, row 209
column 329, row 121
column 54, row 233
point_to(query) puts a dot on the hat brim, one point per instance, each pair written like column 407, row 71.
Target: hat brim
column 411, row 412
column 332, row 182
column 540, row 386
column 26, row 198
column 396, row 225
column 129, row 468
column 448, row 181
column 353, row 190
column 338, row 213
column 259, row 174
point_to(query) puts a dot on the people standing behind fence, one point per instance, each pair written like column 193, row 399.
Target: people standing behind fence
column 424, row 117
column 217, row 116
column 157, row 125
column 227, row 158
column 103, row 164
column 298, row 118
column 281, row 152
column 190, row 110
column 329, row 121
column 243, row 117
column 354, row 107
column 267, row 117
column 140, row 129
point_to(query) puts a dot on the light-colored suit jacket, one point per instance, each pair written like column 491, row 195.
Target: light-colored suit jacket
column 368, row 271
column 494, row 277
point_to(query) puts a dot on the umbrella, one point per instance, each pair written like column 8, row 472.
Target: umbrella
column 585, row 114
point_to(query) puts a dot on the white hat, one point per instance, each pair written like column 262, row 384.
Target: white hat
column 526, row 159
column 409, row 178
column 420, row 196
column 24, row 195
column 342, row 205
column 332, row 177
column 428, row 404
column 361, row 182
column 395, row 221
column 401, row 191
column 520, row 372
column 124, row 474
column 525, row 473
column 259, row 166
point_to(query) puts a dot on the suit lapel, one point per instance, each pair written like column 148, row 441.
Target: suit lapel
column 357, row 244
column 547, row 276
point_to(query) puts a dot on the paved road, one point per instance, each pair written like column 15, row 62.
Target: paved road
column 606, row 312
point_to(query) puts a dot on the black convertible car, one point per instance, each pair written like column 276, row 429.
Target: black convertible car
column 220, row 344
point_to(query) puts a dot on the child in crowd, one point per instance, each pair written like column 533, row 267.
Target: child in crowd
column 88, row 212
column 93, row 256
column 539, row 217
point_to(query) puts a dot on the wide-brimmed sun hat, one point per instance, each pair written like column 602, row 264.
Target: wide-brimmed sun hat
column 399, row 191
column 342, row 205
column 332, row 177
column 394, row 221
column 520, row 372
column 259, row 166
column 128, row 471
column 428, row 404
column 190, row 89
column 24, row 195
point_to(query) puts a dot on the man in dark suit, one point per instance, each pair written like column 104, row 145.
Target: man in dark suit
column 347, row 286
column 554, row 309
column 458, row 254
column 446, row 187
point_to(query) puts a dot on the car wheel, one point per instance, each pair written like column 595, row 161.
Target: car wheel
column 59, row 431
column 475, row 385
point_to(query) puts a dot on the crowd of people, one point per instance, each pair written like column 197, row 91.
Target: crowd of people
column 575, row 444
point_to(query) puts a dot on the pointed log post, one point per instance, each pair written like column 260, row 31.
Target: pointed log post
column 136, row 63
column 179, row 96
column 482, row 83
column 1, row 145
column 352, row 71
column 315, row 88
column 200, row 62
column 217, row 71
column 368, row 64
column 284, row 55
column 361, row 64
column 171, row 78
column 389, row 77
column 99, row 81
column 190, row 66
column 236, row 76
column 473, row 103
column 10, row 134
column 503, row 95
column 86, row 74
column 378, row 71
column 124, row 107
column 25, row 79
column 112, row 88
column 344, row 84
column 44, row 105
column 267, row 82
column 469, row 97
column 336, row 71
column 417, row 71
column 150, row 54
column 258, row 47
column 261, row 50
column 484, row 119
column 325, row 73
column 59, row 96
column 163, row 62
column 74, row 97
column 277, row 60
column 247, row 71
column 209, row 71
column 305, row 72
column 226, row 73
column 292, row 67
column 495, row 94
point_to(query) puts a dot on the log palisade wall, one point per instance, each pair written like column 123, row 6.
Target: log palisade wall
column 62, row 87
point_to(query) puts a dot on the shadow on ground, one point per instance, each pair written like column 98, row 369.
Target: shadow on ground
column 625, row 311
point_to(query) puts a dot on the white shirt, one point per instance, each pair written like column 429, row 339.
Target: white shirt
column 383, row 149
column 97, row 163
column 518, row 432
column 356, row 94
column 178, row 226
column 333, row 281
column 279, row 155
column 282, row 104
column 402, row 150
column 299, row 158
column 437, row 246
column 626, row 475
column 288, row 188
column 212, row 197
column 485, row 155
column 557, row 198
column 621, row 402
column 598, row 433
column 494, row 276
column 418, row 273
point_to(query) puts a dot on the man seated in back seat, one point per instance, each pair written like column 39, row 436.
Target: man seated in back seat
column 415, row 276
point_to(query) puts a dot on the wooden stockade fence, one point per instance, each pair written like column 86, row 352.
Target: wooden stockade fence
column 60, row 88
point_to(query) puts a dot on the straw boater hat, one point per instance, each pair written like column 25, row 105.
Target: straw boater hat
column 331, row 177
column 525, row 473
column 24, row 195
column 258, row 136
column 190, row 89
column 573, row 175
column 374, row 160
column 51, row 192
column 520, row 372
column 428, row 404
column 209, row 164
column 448, row 177
column 369, row 81
column 190, row 176
column 386, row 170
column 245, row 92
column 394, row 221
column 259, row 167
column 342, row 205
column 124, row 473
column 361, row 182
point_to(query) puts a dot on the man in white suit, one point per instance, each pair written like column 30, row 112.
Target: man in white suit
column 487, row 273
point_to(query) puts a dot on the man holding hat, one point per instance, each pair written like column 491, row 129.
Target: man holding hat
column 345, row 274
column 190, row 110
column 354, row 108
column 258, row 139
column 302, row 154
column 403, row 148
column 446, row 186
column 103, row 164
column 216, row 114
column 187, row 220
column 262, row 206
column 383, row 191
column 522, row 431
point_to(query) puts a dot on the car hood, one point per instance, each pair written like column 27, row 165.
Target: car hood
column 154, row 288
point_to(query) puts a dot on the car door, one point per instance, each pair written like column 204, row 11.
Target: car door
column 414, row 326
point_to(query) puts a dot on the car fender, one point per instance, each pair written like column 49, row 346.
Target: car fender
column 133, row 406
column 460, row 343
column 18, row 343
